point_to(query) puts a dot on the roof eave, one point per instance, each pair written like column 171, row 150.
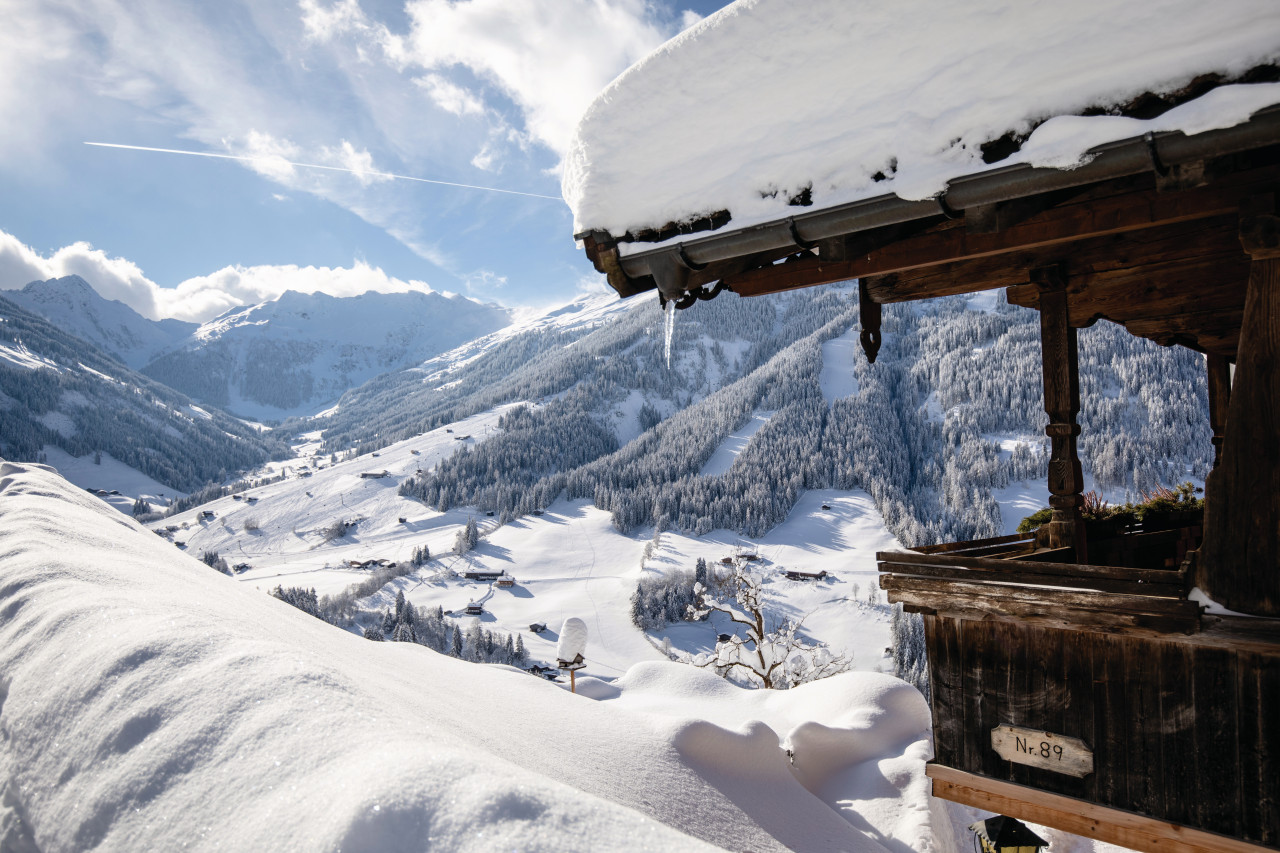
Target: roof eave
column 673, row 268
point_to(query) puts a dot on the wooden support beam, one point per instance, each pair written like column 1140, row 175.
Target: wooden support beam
column 1240, row 560
column 1085, row 218
column 1061, row 363
column 1219, row 370
column 1114, row 826
column 869, row 316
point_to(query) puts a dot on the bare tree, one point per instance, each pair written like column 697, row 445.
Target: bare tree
column 772, row 652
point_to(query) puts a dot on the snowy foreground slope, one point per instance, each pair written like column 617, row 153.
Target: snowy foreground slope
column 149, row 703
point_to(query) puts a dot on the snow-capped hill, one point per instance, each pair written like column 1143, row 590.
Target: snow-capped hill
column 296, row 354
column 577, row 317
column 65, row 401
column 71, row 304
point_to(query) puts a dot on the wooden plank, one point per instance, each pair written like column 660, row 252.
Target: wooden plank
column 1056, row 596
column 1110, row 718
column 1156, row 262
column 1268, row 749
column 1013, row 566
column 1078, row 702
column 1045, row 233
column 1018, row 707
column 976, row 575
column 1144, row 731
column 1216, row 331
column 942, row 638
column 1217, row 771
column 1177, row 726
column 947, row 547
column 1049, row 614
column 1251, row 722
column 972, row 667
column 1091, row 820
column 1258, row 692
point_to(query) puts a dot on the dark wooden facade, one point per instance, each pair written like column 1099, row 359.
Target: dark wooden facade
column 1177, row 709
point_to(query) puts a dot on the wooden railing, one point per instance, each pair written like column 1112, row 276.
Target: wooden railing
column 1008, row 577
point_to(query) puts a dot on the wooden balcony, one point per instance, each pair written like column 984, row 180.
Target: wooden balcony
column 1177, row 713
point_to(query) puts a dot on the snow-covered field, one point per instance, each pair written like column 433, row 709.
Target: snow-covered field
column 110, row 474
column 569, row 561
column 151, row 703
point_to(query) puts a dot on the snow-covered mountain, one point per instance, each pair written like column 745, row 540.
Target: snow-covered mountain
column 300, row 352
column 64, row 401
column 765, row 398
column 71, row 304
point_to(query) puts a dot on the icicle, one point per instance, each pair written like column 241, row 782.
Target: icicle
column 670, row 328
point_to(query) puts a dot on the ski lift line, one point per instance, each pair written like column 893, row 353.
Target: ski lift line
column 373, row 172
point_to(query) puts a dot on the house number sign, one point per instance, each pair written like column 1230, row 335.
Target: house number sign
column 1045, row 750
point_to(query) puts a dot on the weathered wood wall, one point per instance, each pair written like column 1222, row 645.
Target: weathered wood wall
column 1182, row 729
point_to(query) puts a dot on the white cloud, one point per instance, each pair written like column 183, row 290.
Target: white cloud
column 323, row 24
column 551, row 57
column 449, row 96
column 113, row 278
column 196, row 299
column 206, row 296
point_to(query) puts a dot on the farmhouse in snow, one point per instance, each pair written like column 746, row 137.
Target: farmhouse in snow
column 1094, row 161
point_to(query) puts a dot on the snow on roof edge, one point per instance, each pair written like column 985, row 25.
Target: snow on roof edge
column 695, row 128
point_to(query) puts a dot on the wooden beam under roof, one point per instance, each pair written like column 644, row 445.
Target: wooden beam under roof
column 1121, row 208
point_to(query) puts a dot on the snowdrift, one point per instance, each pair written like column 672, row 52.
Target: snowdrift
column 149, row 703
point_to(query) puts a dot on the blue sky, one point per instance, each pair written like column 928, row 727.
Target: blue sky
column 482, row 92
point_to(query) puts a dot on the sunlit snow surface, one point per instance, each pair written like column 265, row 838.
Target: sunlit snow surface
column 151, row 703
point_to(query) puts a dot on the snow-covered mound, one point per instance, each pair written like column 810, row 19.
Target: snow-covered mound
column 767, row 103
column 149, row 703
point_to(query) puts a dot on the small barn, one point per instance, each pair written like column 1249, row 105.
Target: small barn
column 538, row 627
column 1119, row 162
column 473, row 609
column 374, row 475
column 797, row 575
column 482, row 575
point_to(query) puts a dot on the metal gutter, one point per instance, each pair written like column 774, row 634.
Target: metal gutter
column 1151, row 152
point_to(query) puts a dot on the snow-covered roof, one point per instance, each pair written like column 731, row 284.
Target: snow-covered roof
column 767, row 104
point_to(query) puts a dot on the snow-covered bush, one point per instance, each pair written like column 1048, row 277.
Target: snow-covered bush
column 337, row 529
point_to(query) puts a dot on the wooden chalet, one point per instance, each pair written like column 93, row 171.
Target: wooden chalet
column 1075, row 683
column 797, row 575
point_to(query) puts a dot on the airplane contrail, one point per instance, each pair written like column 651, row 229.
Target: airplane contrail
column 317, row 166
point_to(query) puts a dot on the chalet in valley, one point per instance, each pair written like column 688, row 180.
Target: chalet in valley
column 1116, row 163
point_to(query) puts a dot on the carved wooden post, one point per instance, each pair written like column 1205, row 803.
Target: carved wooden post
column 1219, row 370
column 869, row 314
column 1240, row 558
column 1061, row 365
